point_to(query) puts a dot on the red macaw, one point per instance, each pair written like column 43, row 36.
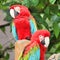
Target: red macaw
column 23, row 25
column 37, row 47
column 42, row 37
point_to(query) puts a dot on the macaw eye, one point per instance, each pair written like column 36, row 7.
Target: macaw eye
column 17, row 9
column 41, row 38
column 15, row 13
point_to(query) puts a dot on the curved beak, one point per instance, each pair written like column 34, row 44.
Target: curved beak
column 47, row 41
column 12, row 13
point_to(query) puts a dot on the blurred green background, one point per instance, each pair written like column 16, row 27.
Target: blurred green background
column 47, row 15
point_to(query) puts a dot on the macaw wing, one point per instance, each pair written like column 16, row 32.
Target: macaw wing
column 31, row 52
column 33, row 25
column 14, row 32
column 35, row 54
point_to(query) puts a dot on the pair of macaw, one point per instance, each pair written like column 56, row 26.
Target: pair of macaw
column 24, row 27
column 37, row 47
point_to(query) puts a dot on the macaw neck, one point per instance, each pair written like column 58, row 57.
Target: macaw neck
column 22, row 16
column 43, row 51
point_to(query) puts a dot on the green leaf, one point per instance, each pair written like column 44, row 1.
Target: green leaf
column 34, row 10
column 55, row 48
column 0, row 46
column 40, row 6
column 8, row 17
column 34, row 2
column 26, row 3
column 58, row 13
column 56, row 29
column 30, row 3
column 58, row 49
column 6, row 57
column 59, row 6
column 52, row 1
column 55, row 18
column 3, row 7
column 40, row 20
column 59, row 25
column 47, row 10
column 11, row 45
column 53, row 9
column 3, row 29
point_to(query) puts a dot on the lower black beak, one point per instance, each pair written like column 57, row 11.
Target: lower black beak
column 43, row 42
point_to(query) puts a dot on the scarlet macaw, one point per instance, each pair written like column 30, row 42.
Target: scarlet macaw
column 37, row 47
column 23, row 25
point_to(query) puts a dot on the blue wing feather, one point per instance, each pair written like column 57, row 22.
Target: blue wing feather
column 33, row 26
column 14, row 32
column 31, row 52
column 35, row 56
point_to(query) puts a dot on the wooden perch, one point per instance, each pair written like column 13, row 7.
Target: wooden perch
column 19, row 47
column 4, row 25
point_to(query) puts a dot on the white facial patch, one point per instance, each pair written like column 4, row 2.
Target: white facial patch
column 17, row 9
column 41, row 38
column 12, row 13
column 47, row 41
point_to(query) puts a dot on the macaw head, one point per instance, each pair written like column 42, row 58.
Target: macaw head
column 19, row 10
column 42, row 37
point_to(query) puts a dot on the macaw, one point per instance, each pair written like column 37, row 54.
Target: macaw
column 23, row 25
column 37, row 46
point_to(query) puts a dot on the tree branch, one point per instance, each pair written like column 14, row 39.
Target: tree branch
column 4, row 25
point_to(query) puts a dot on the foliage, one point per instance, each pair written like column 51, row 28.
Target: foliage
column 47, row 15
column 6, row 57
column 3, row 51
column 0, row 46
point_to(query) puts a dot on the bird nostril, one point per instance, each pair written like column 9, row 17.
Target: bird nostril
column 43, row 42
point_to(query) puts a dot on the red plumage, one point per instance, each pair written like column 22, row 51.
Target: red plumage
column 43, row 49
column 22, row 27
column 22, row 23
column 24, row 10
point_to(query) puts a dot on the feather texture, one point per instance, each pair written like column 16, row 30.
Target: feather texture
column 33, row 24
column 14, row 31
column 24, row 24
column 31, row 52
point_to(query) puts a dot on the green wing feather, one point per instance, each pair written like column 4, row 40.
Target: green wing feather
column 32, row 52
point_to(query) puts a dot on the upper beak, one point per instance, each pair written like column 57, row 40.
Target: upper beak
column 47, row 41
column 12, row 13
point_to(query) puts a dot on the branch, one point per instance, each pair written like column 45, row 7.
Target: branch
column 4, row 25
